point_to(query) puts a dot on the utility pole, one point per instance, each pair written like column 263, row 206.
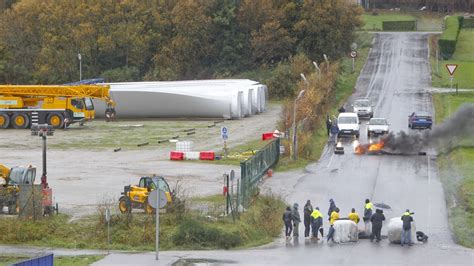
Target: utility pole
column 80, row 66
column 295, row 143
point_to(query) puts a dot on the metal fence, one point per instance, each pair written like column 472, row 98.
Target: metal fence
column 46, row 260
column 253, row 169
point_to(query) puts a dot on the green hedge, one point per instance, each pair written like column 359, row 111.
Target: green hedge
column 468, row 23
column 399, row 25
column 448, row 39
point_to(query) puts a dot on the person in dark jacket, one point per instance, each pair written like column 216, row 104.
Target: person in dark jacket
column 334, row 131
column 377, row 220
column 328, row 124
column 308, row 209
column 406, row 230
column 295, row 215
column 332, row 207
column 342, row 109
column 287, row 219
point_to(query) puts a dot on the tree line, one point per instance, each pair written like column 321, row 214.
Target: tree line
column 131, row 40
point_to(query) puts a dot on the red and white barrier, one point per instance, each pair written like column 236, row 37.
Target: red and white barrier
column 176, row 155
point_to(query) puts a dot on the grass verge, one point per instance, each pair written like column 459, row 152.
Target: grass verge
column 189, row 230
column 426, row 21
column 58, row 260
column 457, row 173
column 463, row 57
column 345, row 84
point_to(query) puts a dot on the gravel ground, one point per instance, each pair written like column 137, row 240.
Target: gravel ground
column 84, row 171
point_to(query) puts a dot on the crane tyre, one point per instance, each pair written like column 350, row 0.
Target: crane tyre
column 56, row 120
column 20, row 121
column 4, row 120
column 124, row 205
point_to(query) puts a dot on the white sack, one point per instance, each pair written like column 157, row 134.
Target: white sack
column 395, row 227
column 345, row 231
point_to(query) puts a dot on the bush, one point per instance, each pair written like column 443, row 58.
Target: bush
column 449, row 37
column 399, row 25
column 192, row 232
column 468, row 23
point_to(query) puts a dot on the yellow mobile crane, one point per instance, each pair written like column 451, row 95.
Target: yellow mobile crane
column 56, row 105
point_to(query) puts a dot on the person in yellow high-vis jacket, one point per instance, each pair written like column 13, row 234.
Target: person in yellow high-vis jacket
column 316, row 222
column 354, row 216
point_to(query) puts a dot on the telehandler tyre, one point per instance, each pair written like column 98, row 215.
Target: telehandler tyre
column 124, row 205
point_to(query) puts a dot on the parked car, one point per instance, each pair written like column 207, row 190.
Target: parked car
column 377, row 127
column 420, row 120
column 348, row 124
column 363, row 107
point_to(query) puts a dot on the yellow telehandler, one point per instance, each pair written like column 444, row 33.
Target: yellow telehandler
column 136, row 196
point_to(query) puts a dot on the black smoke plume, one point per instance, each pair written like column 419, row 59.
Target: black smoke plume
column 455, row 131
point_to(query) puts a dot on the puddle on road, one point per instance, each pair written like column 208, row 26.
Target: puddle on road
column 199, row 262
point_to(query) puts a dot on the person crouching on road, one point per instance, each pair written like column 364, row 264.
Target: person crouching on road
column 406, row 232
column 332, row 219
column 377, row 220
column 295, row 215
column 354, row 216
column 308, row 210
column 287, row 219
column 316, row 222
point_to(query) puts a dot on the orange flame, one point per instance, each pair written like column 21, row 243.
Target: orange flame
column 359, row 150
column 376, row 146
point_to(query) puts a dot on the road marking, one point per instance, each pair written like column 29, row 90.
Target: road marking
column 330, row 160
column 429, row 193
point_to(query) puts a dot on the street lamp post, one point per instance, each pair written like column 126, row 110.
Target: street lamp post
column 317, row 67
column 42, row 131
column 300, row 95
column 80, row 66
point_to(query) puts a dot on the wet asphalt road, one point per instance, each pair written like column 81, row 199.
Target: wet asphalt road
column 395, row 78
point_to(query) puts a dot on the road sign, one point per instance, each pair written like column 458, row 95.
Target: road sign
column 353, row 54
column 232, row 175
column 224, row 133
column 107, row 215
column 451, row 68
column 152, row 198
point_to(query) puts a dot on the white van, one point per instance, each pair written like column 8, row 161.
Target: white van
column 348, row 124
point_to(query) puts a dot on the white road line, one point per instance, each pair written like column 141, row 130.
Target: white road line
column 429, row 193
column 330, row 160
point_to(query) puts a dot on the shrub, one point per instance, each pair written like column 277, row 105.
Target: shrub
column 449, row 37
column 192, row 232
column 399, row 25
column 468, row 23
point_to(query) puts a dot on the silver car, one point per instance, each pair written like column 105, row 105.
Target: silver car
column 377, row 127
column 363, row 108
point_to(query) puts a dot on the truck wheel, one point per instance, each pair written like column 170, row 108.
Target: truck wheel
column 56, row 120
column 20, row 121
column 4, row 120
column 124, row 205
column 148, row 208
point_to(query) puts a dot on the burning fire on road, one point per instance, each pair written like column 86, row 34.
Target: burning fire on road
column 371, row 148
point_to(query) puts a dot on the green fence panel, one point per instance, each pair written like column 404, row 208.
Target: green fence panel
column 253, row 169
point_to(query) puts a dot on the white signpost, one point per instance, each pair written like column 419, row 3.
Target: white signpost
column 225, row 136
column 353, row 55
column 157, row 199
column 451, row 69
